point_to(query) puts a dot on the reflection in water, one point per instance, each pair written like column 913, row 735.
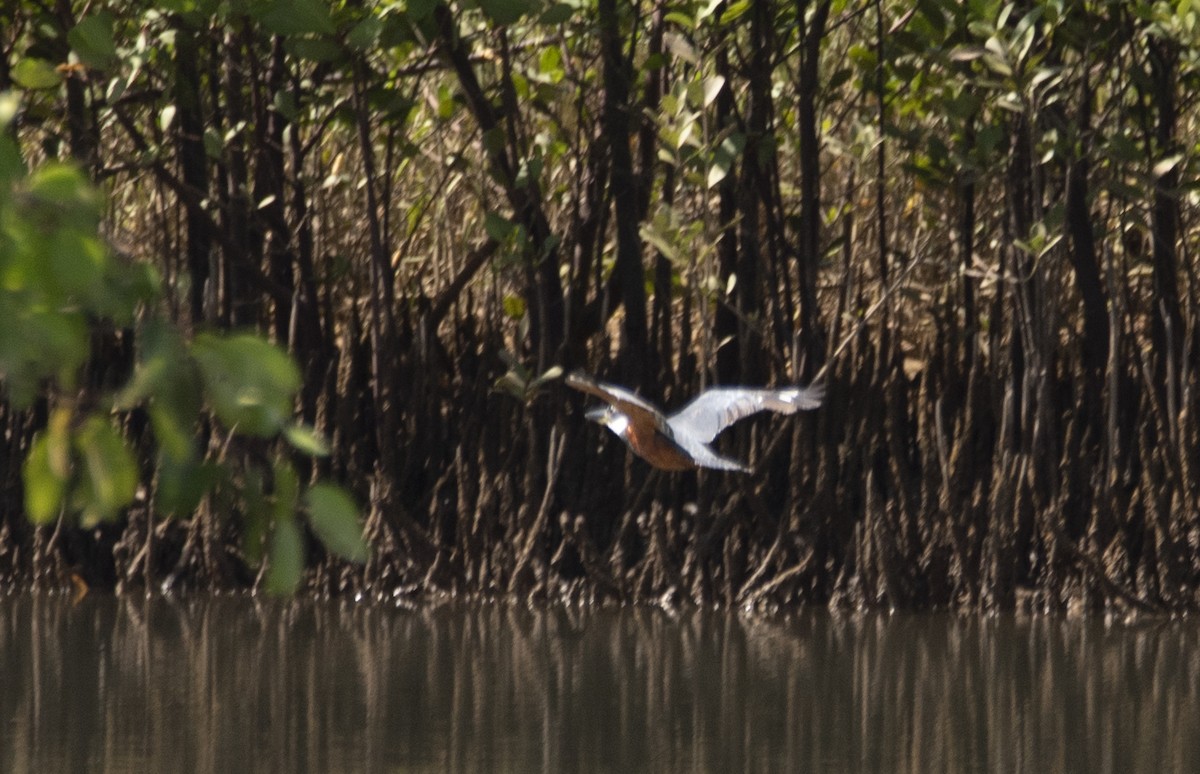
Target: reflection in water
column 220, row 684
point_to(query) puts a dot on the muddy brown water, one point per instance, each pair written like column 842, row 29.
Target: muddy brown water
column 232, row 684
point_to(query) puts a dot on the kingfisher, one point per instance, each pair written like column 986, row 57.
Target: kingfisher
column 681, row 441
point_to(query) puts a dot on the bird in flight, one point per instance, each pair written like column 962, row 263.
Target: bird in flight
column 681, row 441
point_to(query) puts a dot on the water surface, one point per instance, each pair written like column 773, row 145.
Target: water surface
column 231, row 684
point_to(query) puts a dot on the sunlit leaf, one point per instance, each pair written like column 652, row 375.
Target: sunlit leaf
column 307, row 440
column 58, row 437
column 998, row 65
column 734, row 11
column 45, row 477
column 708, row 8
column 712, row 88
column 724, row 157
column 514, row 306
column 967, row 53
column 659, row 241
column 10, row 105
column 33, row 73
column 680, row 19
column 334, row 518
column 1166, row 165
column 681, row 48
column 445, row 102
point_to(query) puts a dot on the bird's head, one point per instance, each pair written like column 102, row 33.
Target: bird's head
column 609, row 417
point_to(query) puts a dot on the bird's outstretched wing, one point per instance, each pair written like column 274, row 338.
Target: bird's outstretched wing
column 703, row 455
column 716, row 409
column 638, row 410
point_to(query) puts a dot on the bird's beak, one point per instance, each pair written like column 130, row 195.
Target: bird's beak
column 599, row 415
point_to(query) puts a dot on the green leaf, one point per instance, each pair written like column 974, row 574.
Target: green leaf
column 709, row 7
column 92, row 40
column 334, row 518
column 47, row 470
column 418, row 10
column 557, row 14
column 712, row 88
column 365, row 35
column 109, row 473
column 1166, row 165
column 36, row 344
column 297, row 17
column 44, row 488
column 314, row 49
column 724, row 158
column 10, row 105
column 967, row 53
column 167, row 379
column 391, row 104
column 214, row 146
column 514, row 306
column 286, row 558
column 508, row 11
column 256, row 518
column 445, row 102
column 33, row 73
column 733, row 12
column 77, row 263
column 660, row 241
column 152, row 367
column 64, row 185
column 183, row 483
column 174, row 429
column 307, row 440
column 250, row 382
column 497, row 226
column 175, row 408
column 286, row 497
column 12, row 166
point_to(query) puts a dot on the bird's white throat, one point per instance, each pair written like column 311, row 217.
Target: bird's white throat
column 618, row 423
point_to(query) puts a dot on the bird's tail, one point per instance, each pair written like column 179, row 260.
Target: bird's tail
column 792, row 400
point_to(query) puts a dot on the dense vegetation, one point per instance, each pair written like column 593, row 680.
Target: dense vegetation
column 976, row 221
